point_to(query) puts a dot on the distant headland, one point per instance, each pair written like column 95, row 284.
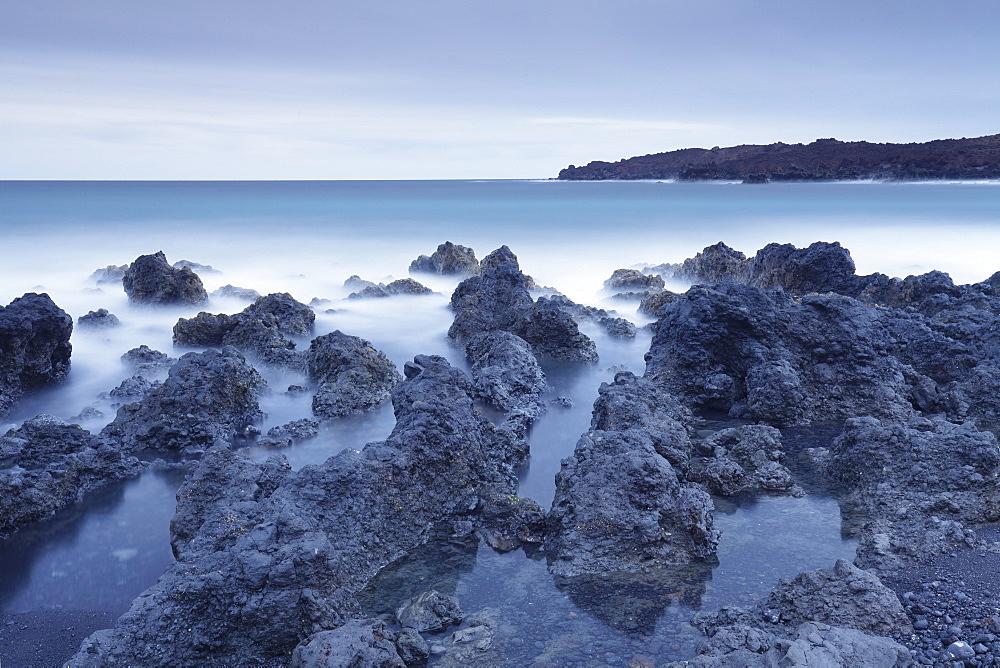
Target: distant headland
column 822, row 160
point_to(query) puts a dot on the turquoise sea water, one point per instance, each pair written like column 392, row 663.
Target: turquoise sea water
column 306, row 238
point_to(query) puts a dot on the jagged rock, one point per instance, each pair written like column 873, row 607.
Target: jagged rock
column 219, row 495
column 813, row 644
column 769, row 357
column 355, row 282
column 109, row 274
column 195, row 266
column 133, row 389
column 412, row 647
column 34, row 346
column 206, row 399
column 633, row 280
column 151, row 280
column 911, row 487
column 145, row 361
column 714, row 264
column 99, row 319
column 261, row 329
column 822, row 267
column 493, row 301
column 653, row 305
column 746, row 458
column 474, row 644
column 505, row 373
column 359, row 642
column 290, row 432
column 402, row 286
column 619, row 505
column 318, row 538
column 431, row 611
column 614, row 326
column 233, row 292
column 47, row 464
column 499, row 300
column 552, row 332
column 448, row 259
column 351, row 374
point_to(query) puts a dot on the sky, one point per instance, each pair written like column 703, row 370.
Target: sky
column 469, row 89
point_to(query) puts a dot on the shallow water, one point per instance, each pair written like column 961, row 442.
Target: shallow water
column 307, row 238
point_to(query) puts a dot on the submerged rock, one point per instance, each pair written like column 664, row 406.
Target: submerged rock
column 431, row 611
column 99, row 319
column 318, row 538
column 151, row 280
column 352, row 376
column 47, row 464
column 206, row 399
column 449, row 259
column 34, row 346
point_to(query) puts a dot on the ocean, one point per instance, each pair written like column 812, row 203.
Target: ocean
column 306, row 238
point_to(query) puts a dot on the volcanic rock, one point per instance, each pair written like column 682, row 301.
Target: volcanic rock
column 34, row 346
column 151, row 280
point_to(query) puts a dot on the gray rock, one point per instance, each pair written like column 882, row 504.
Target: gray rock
column 132, row 389
column 99, row 319
column 109, row 274
column 475, row 644
column 195, row 266
column 910, row 487
column 822, row 267
column 505, row 373
column 431, row 611
column 34, row 346
column 319, row 537
column 653, row 305
column 359, row 642
column 412, row 647
column 151, row 280
column 206, row 399
column 234, row 292
column 499, row 299
column 746, row 458
column 768, row 357
column 633, row 280
column 146, row 361
column 402, row 286
column 47, row 464
column 351, row 374
column 288, row 433
column 619, row 505
column 449, row 259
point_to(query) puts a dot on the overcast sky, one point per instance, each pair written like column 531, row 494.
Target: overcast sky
column 369, row 89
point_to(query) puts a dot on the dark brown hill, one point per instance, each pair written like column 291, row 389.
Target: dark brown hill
column 822, row 160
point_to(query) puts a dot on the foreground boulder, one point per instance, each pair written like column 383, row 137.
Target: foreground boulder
column 499, row 299
column 47, row 464
column 915, row 489
column 206, row 399
column 505, row 373
column 34, row 346
column 151, row 280
column 253, row 595
column 359, row 642
column 448, row 260
column 619, row 505
column 352, row 376
column 824, row 617
column 766, row 356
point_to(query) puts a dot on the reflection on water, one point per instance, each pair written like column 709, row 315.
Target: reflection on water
column 98, row 555
column 619, row 619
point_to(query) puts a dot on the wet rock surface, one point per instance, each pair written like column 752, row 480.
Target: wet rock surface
column 356, row 643
column 34, row 346
column 402, row 286
column 506, row 374
column 47, row 464
column 745, row 459
column 151, row 280
column 319, row 537
column 143, row 360
column 206, row 399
